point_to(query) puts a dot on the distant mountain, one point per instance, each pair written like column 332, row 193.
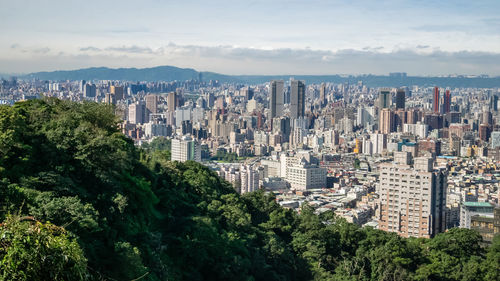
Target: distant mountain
column 172, row 73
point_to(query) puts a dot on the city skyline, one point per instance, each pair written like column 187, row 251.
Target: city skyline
column 258, row 37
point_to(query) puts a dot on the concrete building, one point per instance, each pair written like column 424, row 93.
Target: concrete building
column 184, row 149
column 117, row 92
column 302, row 175
column 249, row 179
column 469, row 209
column 412, row 199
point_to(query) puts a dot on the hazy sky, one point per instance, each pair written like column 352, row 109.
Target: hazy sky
column 254, row 37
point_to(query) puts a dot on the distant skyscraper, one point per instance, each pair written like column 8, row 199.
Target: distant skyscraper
column 117, row 92
column 89, row 90
column 386, row 124
column 171, row 101
column 447, row 101
column 297, row 99
column 82, row 85
column 136, row 112
column 400, row 99
column 276, row 98
column 494, row 103
column 322, row 93
column 435, row 101
column 384, row 98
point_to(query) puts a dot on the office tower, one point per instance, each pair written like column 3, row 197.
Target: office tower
column 447, row 101
column 117, row 92
column 82, row 85
column 152, row 103
column 136, row 113
column 276, row 98
column 494, row 103
column 487, row 117
column 89, row 90
column 297, row 99
column 412, row 199
column 185, row 148
column 400, row 99
column 322, row 93
column 247, row 92
column 172, row 101
column 384, row 98
column 435, row 101
column 386, row 124
column 484, row 132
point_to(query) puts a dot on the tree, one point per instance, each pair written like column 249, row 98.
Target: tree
column 31, row 250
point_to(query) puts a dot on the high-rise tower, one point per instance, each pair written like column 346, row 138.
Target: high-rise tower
column 297, row 99
column 447, row 101
column 400, row 99
column 435, row 101
column 276, row 98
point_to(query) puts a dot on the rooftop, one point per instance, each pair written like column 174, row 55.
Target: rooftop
column 478, row 204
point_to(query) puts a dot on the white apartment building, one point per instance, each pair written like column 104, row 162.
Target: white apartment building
column 185, row 148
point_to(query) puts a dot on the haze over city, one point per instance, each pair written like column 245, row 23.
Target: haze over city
column 254, row 37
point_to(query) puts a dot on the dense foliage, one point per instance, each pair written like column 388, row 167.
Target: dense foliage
column 111, row 211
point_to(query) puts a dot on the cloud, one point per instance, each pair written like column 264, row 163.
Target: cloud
column 15, row 46
column 41, row 50
column 422, row 46
column 90, row 49
column 131, row 49
column 227, row 59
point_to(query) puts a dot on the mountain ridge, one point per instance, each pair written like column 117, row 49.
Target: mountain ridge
column 172, row 73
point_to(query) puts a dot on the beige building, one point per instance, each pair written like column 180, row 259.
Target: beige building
column 412, row 199
column 302, row 176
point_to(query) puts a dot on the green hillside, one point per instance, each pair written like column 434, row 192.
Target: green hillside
column 80, row 202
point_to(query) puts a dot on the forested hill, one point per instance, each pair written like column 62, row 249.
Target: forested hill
column 80, row 202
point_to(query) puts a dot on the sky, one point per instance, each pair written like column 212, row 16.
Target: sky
column 254, row 37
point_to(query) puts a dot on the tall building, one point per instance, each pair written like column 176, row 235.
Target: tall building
column 386, row 124
column 136, row 113
column 297, row 99
column 117, row 92
column 384, row 98
column 400, row 98
column 412, row 199
column 435, row 101
column 379, row 142
column 447, row 101
column 89, row 90
column 184, row 149
column 276, row 98
column 322, row 97
column 249, row 179
column 82, row 85
column 171, row 101
column 152, row 104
